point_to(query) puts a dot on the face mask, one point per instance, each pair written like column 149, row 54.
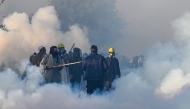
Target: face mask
column 62, row 50
column 76, row 54
column 110, row 55
column 54, row 53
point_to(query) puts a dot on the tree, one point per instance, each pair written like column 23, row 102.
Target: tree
column 3, row 27
column 1, row 2
column 99, row 16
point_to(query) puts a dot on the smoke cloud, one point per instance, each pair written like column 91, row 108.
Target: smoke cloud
column 177, row 80
column 163, row 82
column 24, row 38
column 148, row 22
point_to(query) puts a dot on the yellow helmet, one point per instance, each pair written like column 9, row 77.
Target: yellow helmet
column 111, row 50
column 60, row 45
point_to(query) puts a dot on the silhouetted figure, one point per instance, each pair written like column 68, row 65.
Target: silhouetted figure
column 75, row 70
column 134, row 63
column 52, row 64
column 113, row 71
column 141, row 61
column 95, row 66
column 36, row 59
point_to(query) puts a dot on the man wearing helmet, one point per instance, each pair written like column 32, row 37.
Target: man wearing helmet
column 65, row 57
column 113, row 68
column 62, row 52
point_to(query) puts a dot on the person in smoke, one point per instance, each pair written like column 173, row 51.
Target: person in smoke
column 124, row 62
column 83, row 82
column 134, row 63
column 52, row 64
column 32, row 56
column 35, row 59
column 140, row 61
column 113, row 71
column 38, row 57
column 84, row 55
column 65, row 58
column 63, row 53
column 75, row 70
column 23, row 76
column 95, row 67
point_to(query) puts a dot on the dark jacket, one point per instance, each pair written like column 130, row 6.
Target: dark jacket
column 113, row 69
column 76, row 69
column 95, row 66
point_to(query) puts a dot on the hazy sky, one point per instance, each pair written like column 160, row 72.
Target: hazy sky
column 148, row 21
column 28, row 6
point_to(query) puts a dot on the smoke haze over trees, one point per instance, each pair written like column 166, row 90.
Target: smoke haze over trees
column 99, row 16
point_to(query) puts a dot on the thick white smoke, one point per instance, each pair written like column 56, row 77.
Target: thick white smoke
column 174, row 83
column 177, row 74
column 165, row 74
column 24, row 38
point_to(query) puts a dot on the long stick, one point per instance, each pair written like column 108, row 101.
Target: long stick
column 72, row 63
column 72, row 47
column 68, row 64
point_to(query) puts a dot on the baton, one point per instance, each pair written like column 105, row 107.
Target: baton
column 68, row 64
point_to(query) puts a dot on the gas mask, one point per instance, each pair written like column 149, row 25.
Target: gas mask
column 111, row 55
column 62, row 50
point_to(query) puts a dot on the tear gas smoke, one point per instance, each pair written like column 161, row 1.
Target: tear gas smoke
column 24, row 38
column 147, row 21
column 176, row 78
column 163, row 82
column 100, row 17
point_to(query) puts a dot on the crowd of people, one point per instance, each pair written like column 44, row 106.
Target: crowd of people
column 68, row 68
column 137, row 61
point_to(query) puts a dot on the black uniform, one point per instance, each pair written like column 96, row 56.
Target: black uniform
column 95, row 66
column 113, row 70
column 75, row 70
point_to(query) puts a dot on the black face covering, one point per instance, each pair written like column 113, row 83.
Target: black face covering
column 76, row 54
column 54, row 53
